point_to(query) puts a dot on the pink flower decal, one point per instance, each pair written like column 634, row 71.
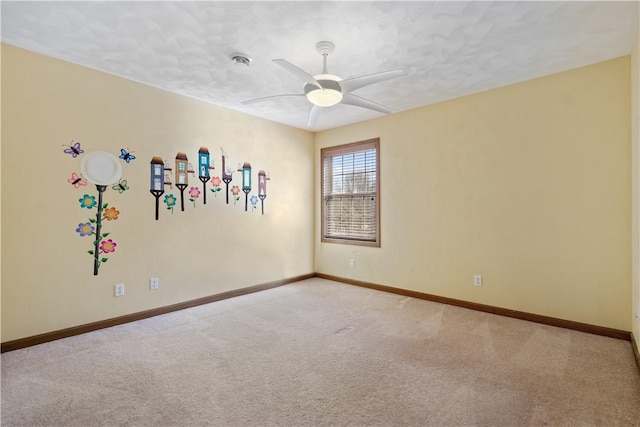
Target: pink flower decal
column 108, row 246
column 194, row 192
column 215, row 183
column 235, row 190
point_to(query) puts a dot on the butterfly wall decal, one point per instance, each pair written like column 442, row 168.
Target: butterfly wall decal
column 76, row 181
column 121, row 186
column 126, row 156
column 73, row 149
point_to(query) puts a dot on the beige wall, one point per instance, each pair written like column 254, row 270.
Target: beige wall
column 527, row 185
column 47, row 275
column 635, row 109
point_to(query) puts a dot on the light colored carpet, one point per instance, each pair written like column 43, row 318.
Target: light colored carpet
column 322, row 353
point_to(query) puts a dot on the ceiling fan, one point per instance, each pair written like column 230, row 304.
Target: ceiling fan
column 324, row 89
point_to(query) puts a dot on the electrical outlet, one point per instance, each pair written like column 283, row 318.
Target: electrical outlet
column 153, row 283
column 352, row 262
column 477, row 280
column 119, row 289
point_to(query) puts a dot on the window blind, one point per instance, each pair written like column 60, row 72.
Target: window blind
column 350, row 192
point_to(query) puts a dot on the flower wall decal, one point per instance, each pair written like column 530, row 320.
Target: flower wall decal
column 170, row 201
column 194, row 193
column 235, row 190
column 215, row 183
column 84, row 229
column 108, row 246
column 110, row 214
column 87, row 201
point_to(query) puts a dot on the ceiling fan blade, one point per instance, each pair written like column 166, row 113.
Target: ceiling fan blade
column 313, row 115
column 266, row 98
column 354, row 83
column 299, row 72
column 351, row 99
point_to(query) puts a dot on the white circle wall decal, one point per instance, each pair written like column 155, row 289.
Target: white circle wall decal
column 101, row 168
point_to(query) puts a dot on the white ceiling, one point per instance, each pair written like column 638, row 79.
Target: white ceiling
column 448, row 49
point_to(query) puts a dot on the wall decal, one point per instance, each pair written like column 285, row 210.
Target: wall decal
column 74, row 149
column 182, row 175
column 203, row 170
column 121, row 186
column 235, row 190
column 77, row 181
column 227, row 173
column 161, row 176
column 262, row 187
column 87, row 201
column 246, row 182
column 126, row 155
column 157, row 181
column 170, row 201
column 215, row 183
column 167, row 173
column 194, row 193
column 101, row 169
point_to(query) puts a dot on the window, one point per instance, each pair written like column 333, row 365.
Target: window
column 350, row 193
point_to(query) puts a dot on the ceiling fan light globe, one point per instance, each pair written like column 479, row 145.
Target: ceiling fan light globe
column 324, row 98
column 330, row 95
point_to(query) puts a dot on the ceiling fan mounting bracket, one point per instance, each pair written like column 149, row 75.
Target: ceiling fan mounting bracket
column 325, row 47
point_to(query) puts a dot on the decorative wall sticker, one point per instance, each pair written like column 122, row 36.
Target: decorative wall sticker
column 162, row 173
column 203, row 170
column 110, row 214
column 215, row 183
column 235, row 190
column 182, row 175
column 194, row 193
column 76, row 181
column 227, row 173
column 85, row 229
column 101, row 169
column 73, row 149
column 254, row 202
column 107, row 246
column 167, row 173
column 126, row 155
column 246, row 182
column 87, row 201
column 170, row 201
column 156, row 187
column 121, row 186
column 262, row 187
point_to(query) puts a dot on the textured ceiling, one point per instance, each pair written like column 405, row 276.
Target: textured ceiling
column 448, row 49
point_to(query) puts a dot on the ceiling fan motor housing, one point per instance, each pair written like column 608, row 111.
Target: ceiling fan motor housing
column 326, row 84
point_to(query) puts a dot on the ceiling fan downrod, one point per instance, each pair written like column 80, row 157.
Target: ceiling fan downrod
column 324, row 48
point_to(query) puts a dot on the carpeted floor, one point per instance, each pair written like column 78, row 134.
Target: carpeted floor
column 322, row 353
